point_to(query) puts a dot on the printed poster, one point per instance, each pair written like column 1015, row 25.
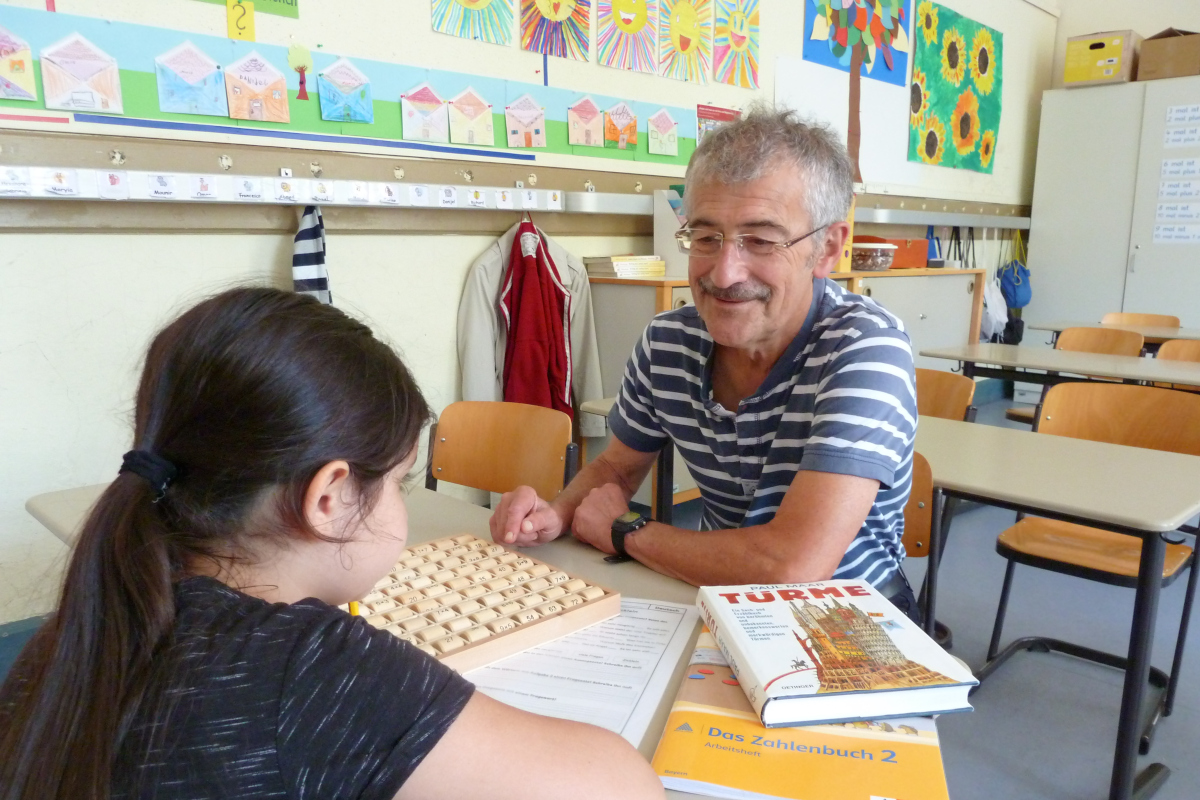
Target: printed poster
column 954, row 97
column 709, row 117
column 481, row 20
column 556, row 27
column 735, row 43
column 627, row 34
column 424, row 116
column 685, row 39
column 78, row 76
column 17, row 81
column 526, row 123
column 256, row 90
column 832, row 28
column 471, row 119
column 189, row 82
column 345, row 93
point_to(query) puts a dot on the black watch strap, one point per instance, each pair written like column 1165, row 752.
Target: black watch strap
column 622, row 526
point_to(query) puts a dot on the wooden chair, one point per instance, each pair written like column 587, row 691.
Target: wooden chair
column 1105, row 341
column 1136, row 416
column 1155, row 320
column 945, row 395
column 500, row 446
column 1180, row 350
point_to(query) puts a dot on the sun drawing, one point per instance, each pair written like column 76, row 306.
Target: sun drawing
column 927, row 18
column 964, row 123
column 685, row 39
column 556, row 27
column 987, row 148
column 735, row 43
column 627, row 34
column 933, row 140
column 482, row 20
column 918, row 99
column 983, row 59
column 954, row 63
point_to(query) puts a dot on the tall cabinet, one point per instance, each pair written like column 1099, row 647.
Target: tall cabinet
column 1116, row 202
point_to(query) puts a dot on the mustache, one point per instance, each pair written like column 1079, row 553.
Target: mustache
column 744, row 290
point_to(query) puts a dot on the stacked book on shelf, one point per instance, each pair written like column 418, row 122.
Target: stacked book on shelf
column 625, row 267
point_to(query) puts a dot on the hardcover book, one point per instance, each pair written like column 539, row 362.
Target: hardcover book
column 714, row 744
column 831, row 651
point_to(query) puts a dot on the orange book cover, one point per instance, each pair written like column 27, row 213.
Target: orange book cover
column 714, row 744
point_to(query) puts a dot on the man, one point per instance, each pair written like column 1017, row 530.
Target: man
column 791, row 400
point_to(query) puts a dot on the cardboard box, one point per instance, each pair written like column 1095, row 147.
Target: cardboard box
column 910, row 253
column 1101, row 58
column 1170, row 54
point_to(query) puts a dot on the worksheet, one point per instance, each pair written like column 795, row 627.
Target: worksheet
column 612, row 674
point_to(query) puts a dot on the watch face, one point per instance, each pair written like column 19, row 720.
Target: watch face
column 628, row 518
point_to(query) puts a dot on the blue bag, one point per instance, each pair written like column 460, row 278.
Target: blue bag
column 1014, row 277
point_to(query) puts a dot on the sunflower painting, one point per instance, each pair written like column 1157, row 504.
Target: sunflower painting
column 955, row 91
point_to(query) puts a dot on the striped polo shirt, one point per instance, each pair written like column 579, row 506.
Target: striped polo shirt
column 840, row 399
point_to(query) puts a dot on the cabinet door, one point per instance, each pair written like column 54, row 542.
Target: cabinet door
column 935, row 309
column 1083, row 201
column 1163, row 267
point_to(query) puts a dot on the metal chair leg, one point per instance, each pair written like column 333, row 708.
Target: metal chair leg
column 1001, row 610
column 1185, row 619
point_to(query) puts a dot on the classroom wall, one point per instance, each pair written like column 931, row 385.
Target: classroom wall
column 1079, row 17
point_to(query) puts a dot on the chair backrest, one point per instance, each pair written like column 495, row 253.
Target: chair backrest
column 1180, row 350
column 1156, row 320
column 1117, row 413
column 499, row 446
column 943, row 394
column 1105, row 341
column 918, row 514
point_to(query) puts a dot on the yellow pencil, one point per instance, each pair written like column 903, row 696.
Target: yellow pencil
column 354, row 608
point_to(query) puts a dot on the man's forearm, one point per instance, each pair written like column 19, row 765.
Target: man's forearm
column 596, row 474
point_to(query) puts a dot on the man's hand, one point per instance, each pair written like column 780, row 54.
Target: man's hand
column 594, row 517
column 523, row 519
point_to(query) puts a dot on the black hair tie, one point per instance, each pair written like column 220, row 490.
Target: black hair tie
column 155, row 469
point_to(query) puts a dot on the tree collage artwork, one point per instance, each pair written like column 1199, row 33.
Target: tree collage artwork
column 954, row 107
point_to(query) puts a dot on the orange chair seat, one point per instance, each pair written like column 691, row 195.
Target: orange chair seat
column 1020, row 414
column 1090, row 548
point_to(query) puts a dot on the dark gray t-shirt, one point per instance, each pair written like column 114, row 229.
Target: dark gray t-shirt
column 294, row 701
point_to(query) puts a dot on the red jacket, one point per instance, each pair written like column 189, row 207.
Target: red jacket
column 536, row 307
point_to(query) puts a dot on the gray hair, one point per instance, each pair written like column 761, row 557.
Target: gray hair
column 748, row 148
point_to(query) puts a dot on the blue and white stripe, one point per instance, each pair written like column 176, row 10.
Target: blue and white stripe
column 841, row 399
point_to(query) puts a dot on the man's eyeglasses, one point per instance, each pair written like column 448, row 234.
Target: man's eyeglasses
column 704, row 243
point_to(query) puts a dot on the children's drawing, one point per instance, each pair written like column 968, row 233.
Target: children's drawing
column 556, row 27
column 78, row 76
column 662, row 133
column 16, row 68
column 471, row 119
column 585, row 124
column 189, row 82
column 525, row 121
column 620, row 127
column 481, row 20
column 345, row 93
column 735, row 43
column 256, row 90
column 833, row 28
column 300, row 60
column 685, row 36
column 423, row 115
column 627, row 34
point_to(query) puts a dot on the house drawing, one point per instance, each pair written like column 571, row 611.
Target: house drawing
column 189, row 82
column 585, row 124
column 471, row 119
column 78, row 76
column 525, row 121
column 620, row 127
column 424, row 115
column 256, row 90
column 662, row 134
column 345, row 93
column 16, row 68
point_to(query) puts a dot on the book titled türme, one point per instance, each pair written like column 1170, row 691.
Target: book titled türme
column 831, row 651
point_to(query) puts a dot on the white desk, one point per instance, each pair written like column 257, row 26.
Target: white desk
column 1016, row 362
column 1128, row 490
column 1153, row 334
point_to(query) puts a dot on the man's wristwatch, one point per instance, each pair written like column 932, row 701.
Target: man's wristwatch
column 622, row 526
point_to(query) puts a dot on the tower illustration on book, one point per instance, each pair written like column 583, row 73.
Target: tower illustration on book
column 853, row 652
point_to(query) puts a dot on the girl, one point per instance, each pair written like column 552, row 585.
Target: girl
column 196, row 651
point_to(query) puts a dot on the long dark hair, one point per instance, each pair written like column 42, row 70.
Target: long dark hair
column 250, row 391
